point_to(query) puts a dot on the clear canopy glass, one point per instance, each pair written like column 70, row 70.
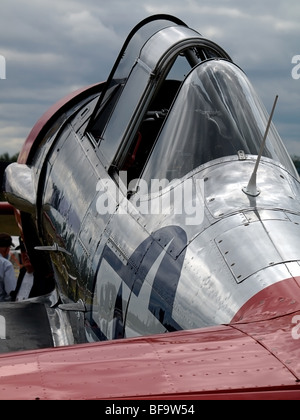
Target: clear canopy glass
column 216, row 114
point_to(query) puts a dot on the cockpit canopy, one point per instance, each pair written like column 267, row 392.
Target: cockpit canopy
column 215, row 114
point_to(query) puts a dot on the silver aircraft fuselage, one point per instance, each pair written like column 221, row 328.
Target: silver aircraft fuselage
column 134, row 193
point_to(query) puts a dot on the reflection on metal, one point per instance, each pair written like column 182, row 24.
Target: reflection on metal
column 177, row 111
column 175, row 108
column 19, row 187
column 54, row 248
column 78, row 306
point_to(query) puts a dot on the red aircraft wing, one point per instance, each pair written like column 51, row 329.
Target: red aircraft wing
column 258, row 360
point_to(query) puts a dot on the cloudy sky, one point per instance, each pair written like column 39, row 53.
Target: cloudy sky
column 49, row 48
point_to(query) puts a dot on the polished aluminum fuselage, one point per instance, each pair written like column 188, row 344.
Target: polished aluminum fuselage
column 241, row 246
column 244, row 244
column 126, row 272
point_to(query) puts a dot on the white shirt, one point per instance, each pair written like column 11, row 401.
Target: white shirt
column 8, row 279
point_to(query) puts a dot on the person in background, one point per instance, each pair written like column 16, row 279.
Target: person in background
column 33, row 280
column 8, row 279
column 24, row 288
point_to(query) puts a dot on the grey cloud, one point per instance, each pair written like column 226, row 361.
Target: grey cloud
column 53, row 47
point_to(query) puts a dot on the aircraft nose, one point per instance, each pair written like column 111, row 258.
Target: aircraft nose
column 264, row 241
column 274, row 301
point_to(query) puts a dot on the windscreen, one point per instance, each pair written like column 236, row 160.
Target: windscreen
column 216, row 114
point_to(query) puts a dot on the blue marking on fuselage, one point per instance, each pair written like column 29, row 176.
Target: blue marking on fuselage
column 166, row 279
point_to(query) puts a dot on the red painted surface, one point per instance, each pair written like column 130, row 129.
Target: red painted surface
column 46, row 117
column 258, row 360
column 6, row 209
column 278, row 299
